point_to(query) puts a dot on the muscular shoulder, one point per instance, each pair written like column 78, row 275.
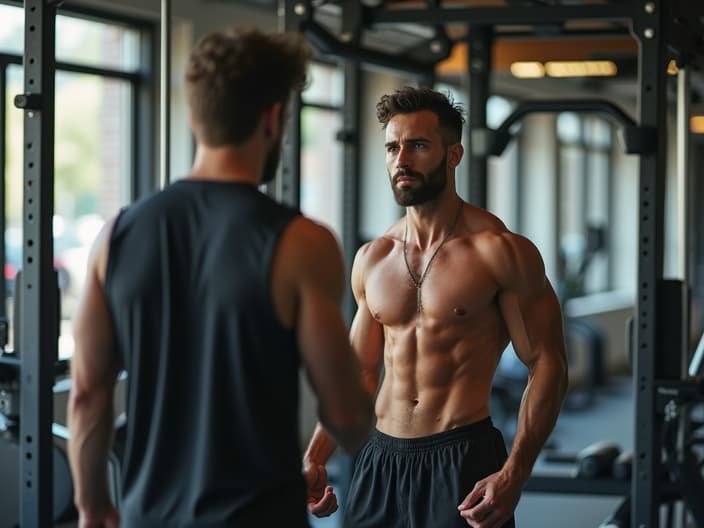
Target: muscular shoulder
column 368, row 256
column 514, row 260
column 307, row 259
column 309, row 246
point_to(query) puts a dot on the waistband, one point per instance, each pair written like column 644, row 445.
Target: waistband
column 420, row 443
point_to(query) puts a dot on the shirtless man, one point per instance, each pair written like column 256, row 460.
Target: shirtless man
column 439, row 297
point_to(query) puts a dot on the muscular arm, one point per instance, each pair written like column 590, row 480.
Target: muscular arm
column 94, row 369
column 532, row 315
column 345, row 408
column 367, row 339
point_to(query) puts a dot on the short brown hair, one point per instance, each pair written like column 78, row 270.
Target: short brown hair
column 235, row 74
column 408, row 100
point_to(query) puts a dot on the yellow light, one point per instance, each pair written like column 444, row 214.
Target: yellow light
column 696, row 124
column 672, row 68
column 581, row 68
column 527, row 70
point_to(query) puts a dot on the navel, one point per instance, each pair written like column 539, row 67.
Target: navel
column 460, row 311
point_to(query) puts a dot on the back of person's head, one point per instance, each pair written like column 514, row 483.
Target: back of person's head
column 408, row 100
column 234, row 75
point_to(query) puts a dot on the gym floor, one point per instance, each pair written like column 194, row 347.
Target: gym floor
column 609, row 416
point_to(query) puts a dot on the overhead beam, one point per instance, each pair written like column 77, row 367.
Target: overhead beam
column 514, row 15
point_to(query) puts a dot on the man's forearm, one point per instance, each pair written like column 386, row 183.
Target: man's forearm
column 320, row 447
column 90, row 421
column 349, row 434
column 540, row 406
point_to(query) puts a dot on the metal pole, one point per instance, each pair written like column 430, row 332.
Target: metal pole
column 480, row 51
column 682, row 202
column 682, row 209
column 165, row 94
column 39, row 329
column 288, row 182
column 652, row 61
column 353, row 75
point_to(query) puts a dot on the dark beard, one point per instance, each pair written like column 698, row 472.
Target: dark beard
column 271, row 163
column 431, row 186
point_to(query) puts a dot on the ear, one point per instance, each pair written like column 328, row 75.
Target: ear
column 454, row 154
column 273, row 121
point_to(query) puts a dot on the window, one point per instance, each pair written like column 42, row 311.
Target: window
column 503, row 185
column 99, row 75
column 321, row 153
column 585, row 144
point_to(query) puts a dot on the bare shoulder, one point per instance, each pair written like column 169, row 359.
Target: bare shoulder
column 373, row 251
column 306, row 241
column 514, row 259
column 98, row 258
column 368, row 256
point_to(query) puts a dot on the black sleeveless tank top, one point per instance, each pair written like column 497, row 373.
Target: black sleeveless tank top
column 212, row 404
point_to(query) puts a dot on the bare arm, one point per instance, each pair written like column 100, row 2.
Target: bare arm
column 317, row 271
column 532, row 313
column 367, row 339
column 94, row 369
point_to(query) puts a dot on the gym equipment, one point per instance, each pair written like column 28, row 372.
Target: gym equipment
column 622, row 466
column 63, row 509
column 597, row 460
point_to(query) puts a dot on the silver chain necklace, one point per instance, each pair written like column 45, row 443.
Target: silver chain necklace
column 418, row 283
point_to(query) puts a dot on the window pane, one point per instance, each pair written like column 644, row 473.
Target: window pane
column 11, row 29
column 597, row 133
column 571, row 191
column 92, row 175
column 497, row 110
column 96, row 43
column 78, row 40
column 569, row 127
column 93, row 171
column 321, row 167
column 325, row 86
column 13, row 188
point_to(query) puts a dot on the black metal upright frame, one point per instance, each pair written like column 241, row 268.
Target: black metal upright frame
column 481, row 43
column 662, row 29
column 352, row 70
column 648, row 28
column 39, row 329
column 37, row 293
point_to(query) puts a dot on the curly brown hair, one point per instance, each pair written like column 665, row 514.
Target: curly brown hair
column 408, row 100
column 235, row 74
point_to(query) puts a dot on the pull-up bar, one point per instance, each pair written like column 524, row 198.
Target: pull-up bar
column 637, row 139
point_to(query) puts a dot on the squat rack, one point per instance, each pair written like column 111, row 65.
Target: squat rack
column 664, row 30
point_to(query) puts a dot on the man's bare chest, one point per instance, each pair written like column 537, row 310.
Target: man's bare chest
column 453, row 288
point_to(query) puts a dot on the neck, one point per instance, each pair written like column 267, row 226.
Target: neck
column 228, row 163
column 430, row 222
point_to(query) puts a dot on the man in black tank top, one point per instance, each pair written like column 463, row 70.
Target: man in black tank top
column 211, row 296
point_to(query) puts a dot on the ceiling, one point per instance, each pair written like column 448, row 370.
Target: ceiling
column 572, row 40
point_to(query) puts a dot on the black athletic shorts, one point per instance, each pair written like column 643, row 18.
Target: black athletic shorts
column 419, row 482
